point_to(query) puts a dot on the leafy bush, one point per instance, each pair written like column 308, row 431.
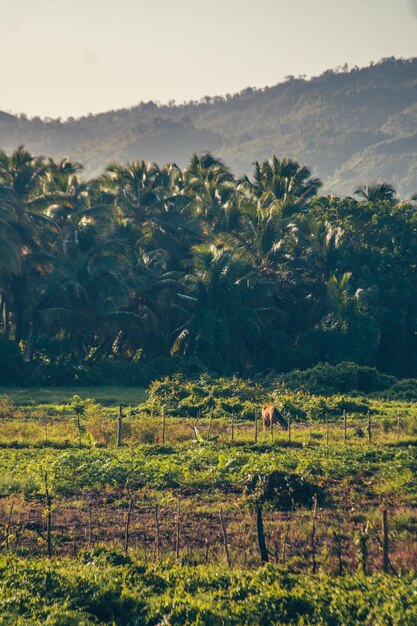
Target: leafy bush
column 7, row 409
column 282, row 491
column 328, row 379
column 11, row 363
column 205, row 395
column 98, row 423
column 305, row 407
column 114, row 372
column 102, row 588
column 405, row 389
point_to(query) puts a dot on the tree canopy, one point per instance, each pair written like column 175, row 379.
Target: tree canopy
column 248, row 274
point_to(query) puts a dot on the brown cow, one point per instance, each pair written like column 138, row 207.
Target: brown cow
column 270, row 412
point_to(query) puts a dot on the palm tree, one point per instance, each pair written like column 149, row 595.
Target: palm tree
column 212, row 187
column 229, row 307
column 21, row 177
column 377, row 192
column 286, row 183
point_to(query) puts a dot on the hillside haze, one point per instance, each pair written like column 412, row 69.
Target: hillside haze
column 350, row 127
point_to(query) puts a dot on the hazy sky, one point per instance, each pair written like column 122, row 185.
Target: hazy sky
column 71, row 57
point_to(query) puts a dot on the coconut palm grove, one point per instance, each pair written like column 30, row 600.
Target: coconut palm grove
column 151, row 269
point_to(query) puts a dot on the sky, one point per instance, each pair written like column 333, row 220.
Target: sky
column 64, row 58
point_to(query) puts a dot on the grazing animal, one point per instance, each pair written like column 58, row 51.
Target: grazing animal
column 271, row 415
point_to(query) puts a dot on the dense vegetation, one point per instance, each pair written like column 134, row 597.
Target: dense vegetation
column 92, row 532
column 149, row 270
column 107, row 588
column 350, row 126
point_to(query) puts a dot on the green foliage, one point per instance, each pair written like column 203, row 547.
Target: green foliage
column 206, row 467
column 11, row 363
column 207, row 395
column 149, row 271
column 7, row 409
column 109, row 590
column 305, row 407
column 402, row 390
column 329, row 379
column 282, row 491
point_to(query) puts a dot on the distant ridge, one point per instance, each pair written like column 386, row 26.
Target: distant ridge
column 350, row 126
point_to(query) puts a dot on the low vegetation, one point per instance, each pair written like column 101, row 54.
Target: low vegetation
column 201, row 517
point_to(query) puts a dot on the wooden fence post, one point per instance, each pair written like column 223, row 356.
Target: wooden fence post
column 261, row 536
column 398, row 426
column 206, row 552
column 313, row 536
column 224, row 534
column 256, row 426
column 9, row 523
column 119, row 426
column 163, row 425
column 385, row 542
column 344, row 427
column 210, row 422
column 127, row 524
column 177, row 532
column 90, row 525
column 158, row 536
column 48, row 498
column 363, row 548
column 284, row 544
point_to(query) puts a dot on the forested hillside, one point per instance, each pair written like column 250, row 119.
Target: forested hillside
column 350, row 127
column 244, row 275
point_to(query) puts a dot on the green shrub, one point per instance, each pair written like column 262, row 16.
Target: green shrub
column 328, row 379
column 405, row 389
column 11, row 363
column 110, row 372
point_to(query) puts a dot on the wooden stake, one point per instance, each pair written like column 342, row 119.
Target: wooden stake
column 225, row 544
column 48, row 517
column 163, row 425
column 284, row 545
column 344, row 427
column 90, row 526
column 127, row 524
column 313, row 536
column 177, row 532
column 398, row 426
column 385, row 542
column 9, row 523
column 210, row 421
column 119, row 427
column 158, row 536
column 256, row 426
column 261, row 536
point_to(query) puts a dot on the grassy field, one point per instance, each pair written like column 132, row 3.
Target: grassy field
column 150, row 508
column 107, row 396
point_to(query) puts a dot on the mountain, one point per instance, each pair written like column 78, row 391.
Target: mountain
column 350, row 126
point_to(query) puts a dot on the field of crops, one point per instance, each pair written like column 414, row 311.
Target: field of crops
column 173, row 506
